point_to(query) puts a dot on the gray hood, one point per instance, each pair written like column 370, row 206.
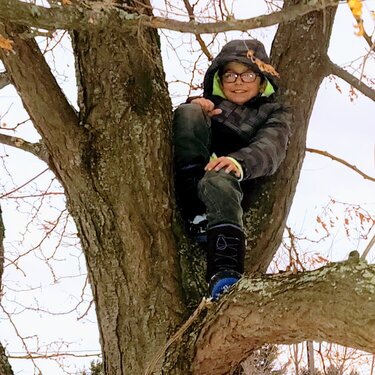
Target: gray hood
column 249, row 52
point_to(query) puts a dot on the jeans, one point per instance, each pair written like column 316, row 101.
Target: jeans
column 220, row 192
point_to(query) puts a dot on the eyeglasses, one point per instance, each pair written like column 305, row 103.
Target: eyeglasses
column 247, row 77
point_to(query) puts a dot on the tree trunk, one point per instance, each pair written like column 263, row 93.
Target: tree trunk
column 310, row 357
column 5, row 368
column 125, row 226
column 114, row 162
column 299, row 47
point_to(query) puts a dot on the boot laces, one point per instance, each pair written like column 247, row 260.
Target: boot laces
column 226, row 252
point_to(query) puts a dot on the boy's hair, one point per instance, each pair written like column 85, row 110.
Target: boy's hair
column 221, row 71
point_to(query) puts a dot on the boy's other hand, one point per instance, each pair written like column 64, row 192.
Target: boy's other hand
column 207, row 106
column 223, row 162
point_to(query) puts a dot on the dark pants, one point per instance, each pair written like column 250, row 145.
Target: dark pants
column 220, row 192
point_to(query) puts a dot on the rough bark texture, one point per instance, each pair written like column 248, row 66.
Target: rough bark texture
column 283, row 309
column 272, row 197
column 134, row 272
column 101, row 14
column 5, row 368
column 114, row 162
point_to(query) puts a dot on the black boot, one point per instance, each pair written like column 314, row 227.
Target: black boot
column 186, row 186
column 225, row 257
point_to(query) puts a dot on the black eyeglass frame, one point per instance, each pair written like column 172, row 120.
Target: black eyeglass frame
column 241, row 75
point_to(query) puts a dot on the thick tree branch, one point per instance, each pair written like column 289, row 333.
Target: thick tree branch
column 341, row 161
column 350, row 79
column 51, row 113
column 36, row 149
column 99, row 14
column 334, row 303
column 4, row 80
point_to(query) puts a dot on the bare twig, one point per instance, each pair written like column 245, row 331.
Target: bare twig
column 350, row 79
column 369, row 41
column 36, row 149
column 53, row 355
column 26, row 183
column 368, row 248
column 364, row 34
column 23, row 339
column 201, row 42
column 342, row 161
column 205, row 303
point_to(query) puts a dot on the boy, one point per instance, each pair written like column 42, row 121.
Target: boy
column 236, row 132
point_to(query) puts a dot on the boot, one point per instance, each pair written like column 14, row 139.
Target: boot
column 225, row 257
column 186, row 185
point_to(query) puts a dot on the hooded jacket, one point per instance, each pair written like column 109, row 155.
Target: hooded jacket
column 256, row 133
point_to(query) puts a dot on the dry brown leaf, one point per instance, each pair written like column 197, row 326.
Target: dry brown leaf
column 262, row 65
column 66, row 2
column 6, row 43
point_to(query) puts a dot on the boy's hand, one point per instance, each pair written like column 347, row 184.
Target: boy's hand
column 223, row 162
column 207, row 106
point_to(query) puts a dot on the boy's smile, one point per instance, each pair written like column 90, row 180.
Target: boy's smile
column 239, row 92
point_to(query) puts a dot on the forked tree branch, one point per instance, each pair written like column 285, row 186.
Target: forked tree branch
column 36, row 149
column 201, row 42
column 334, row 69
column 334, row 303
column 341, row 161
column 99, row 14
column 53, row 116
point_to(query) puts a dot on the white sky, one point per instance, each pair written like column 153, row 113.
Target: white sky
column 339, row 126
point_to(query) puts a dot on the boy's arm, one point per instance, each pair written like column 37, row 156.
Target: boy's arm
column 267, row 149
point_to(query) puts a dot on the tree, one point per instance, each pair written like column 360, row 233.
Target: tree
column 113, row 160
column 5, row 368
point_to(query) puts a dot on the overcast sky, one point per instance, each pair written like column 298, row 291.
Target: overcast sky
column 338, row 125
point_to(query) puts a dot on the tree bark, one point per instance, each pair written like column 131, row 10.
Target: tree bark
column 310, row 356
column 96, row 15
column 5, row 367
column 273, row 196
column 134, row 271
column 114, row 162
column 334, row 303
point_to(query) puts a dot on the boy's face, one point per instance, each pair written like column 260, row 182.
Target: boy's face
column 239, row 92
